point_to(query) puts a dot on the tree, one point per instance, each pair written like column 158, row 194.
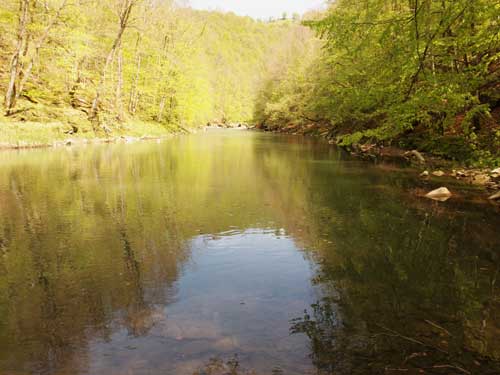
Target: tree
column 78, row 64
column 125, row 8
column 26, row 53
column 15, row 64
column 418, row 73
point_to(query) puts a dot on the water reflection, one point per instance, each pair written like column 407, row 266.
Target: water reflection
column 230, row 300
column 200, row 255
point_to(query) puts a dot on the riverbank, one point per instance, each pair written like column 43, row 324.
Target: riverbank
column 485, row 182
column 432, row 166
column 22, row 135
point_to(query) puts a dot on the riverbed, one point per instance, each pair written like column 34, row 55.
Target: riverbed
column 239, row 252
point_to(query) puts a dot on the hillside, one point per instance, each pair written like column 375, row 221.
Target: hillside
column 413, row 74
column 82, row 70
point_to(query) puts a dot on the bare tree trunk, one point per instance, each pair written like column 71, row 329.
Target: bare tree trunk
column 15, row 63
column 160, row 62
column 125, row 11
column 132, row 103
column 19, row 75
column 159, row 117
column 135, row 103
column 93, row 114
column 119, row 87
column 26, row 74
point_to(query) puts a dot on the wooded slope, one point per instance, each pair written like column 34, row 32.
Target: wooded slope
column 413, row 73
column 98, row 64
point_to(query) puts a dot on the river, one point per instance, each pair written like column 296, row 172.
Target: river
column 241, row 253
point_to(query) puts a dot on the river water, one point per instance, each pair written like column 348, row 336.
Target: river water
column 236, row 252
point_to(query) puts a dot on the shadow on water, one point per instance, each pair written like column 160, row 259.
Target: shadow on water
column 239, row 253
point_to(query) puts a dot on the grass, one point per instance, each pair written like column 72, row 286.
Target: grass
column 23, row 134
column 15, row 133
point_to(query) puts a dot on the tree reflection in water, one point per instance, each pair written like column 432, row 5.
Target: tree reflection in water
column 404, row 309
column 103, row 270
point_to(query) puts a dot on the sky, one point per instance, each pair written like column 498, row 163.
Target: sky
column 262, row 9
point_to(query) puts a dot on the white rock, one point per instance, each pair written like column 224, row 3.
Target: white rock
column 438, row 173
column 442, row 194
column 496, row 171
column 424, row 174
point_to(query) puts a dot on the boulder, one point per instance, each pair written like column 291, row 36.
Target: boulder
column 424, row 174
column 481, row 179
column 438, row 173
column 442, row 194
column 495, row 171
column 492, row 185
column 416, row 155
column 495, row 197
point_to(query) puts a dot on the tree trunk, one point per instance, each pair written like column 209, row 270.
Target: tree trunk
column 132, row 103
column 135, row 103
column 159, row 117
column 26, row 74
column 119, row 87
column 15, row 63
column 126, row 10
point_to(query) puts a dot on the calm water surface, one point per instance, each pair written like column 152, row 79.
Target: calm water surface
column 239, row 253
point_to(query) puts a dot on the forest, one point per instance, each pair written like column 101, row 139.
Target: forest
column 210, row 193
column 104, row 67
column 414, row 74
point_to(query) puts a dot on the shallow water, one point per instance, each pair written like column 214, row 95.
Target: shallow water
column 243, row 253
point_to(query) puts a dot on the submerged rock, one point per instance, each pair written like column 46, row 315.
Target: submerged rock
column 442, row 194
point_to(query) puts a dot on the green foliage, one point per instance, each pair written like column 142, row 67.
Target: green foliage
column 174, row 65
column 389, row 69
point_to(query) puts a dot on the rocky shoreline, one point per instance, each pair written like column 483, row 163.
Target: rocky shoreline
column 431, row 166
column 487, row 181
column 84, row 141
column 22, row 145
column 75, row 142
column 428, row 166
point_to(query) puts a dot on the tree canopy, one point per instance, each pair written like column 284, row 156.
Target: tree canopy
column 111, row 61
column 412, row 73
column 418, row 73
